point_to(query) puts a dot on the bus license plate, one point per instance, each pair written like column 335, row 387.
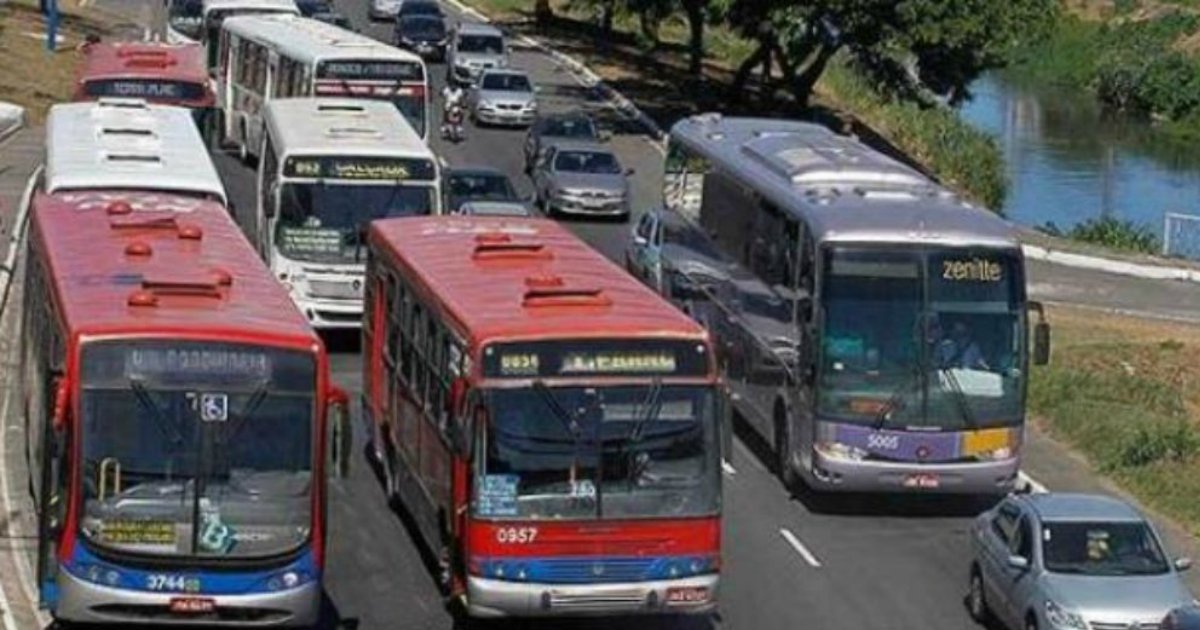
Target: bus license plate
column 687, row 595
column 192, row 605
column 922, row 480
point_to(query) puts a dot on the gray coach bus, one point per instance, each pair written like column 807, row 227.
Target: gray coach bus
column 872, row 327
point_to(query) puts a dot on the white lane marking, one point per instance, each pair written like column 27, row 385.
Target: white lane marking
column 1033, row 484
column 728, row 468
column 800, row 548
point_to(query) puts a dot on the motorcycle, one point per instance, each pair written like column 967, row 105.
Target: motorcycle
column 452, row 123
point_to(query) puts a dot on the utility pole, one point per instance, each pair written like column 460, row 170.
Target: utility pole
column 50, row 11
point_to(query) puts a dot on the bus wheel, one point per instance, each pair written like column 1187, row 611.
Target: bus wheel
column 783, row 450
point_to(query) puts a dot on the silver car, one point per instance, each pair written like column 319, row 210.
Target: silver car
column 1071, row 561
column 581, row 179
column 473, row 49
column 503, row 97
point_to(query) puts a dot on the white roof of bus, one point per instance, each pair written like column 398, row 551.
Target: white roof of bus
column 288, row 6
column 127, row 144
column 310, row 41
column 342, row 126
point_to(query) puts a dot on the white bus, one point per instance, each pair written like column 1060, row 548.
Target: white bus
column 282, row 56
column 329, row 167
column 119, row 145
column 200, row 20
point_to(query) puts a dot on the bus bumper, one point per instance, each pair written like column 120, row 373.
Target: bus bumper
column 328, row 314
column 85, row 602
column 502, row 598
column 839, row 475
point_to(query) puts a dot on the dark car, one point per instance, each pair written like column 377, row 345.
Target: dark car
column 576, row 127
column 423, row 34
column 334, row 18
column 1182, row 618
column 312, row 8
column 475, row 185
column 419, row 7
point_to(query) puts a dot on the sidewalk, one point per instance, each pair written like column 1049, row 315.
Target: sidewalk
column 20, row 154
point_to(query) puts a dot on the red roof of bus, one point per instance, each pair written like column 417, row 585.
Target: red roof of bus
column 160, row 269
column 505, row 279
column 144, row 60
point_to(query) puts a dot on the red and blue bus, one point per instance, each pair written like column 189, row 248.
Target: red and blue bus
column 175, row 401
column 550, row 424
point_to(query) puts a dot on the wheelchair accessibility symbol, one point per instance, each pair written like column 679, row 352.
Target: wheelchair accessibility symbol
column 214, row 407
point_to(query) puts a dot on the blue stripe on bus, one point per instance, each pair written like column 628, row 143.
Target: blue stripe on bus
column 86, row 566
column 594, row 569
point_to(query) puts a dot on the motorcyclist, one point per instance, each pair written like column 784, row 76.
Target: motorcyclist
column 452, row 104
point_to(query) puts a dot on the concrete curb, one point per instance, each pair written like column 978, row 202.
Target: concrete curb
column 12, row 119
column 15, row 237
column 1108, row 265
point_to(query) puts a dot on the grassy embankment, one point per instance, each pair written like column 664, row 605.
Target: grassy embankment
column 954, row 152
column 1124, row 392
column 31, row 76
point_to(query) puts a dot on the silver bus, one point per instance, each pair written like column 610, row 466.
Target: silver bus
column 872, row 327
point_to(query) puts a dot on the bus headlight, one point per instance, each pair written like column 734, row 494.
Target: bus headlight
column 837, row 450
column 996, row 455
column 287, row 580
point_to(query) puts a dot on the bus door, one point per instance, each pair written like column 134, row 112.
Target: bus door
column 53, row 499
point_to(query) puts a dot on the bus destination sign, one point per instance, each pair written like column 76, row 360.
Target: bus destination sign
column 614, row 357
column 371, row 70
column 153, row 89
column 358, row 168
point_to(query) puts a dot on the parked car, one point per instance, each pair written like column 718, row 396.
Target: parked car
column 474, row 48
column 482, row 190
column 1182, row 618
column 334, row 18
column 1048, row 561
column 503, row 97
column 575, row 126
column 419, row 7
column 581, row 179
column 423, row 34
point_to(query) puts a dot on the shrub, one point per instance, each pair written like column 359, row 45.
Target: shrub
column 1115, row 233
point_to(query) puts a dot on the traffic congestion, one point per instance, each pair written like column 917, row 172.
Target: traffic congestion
column 299, row 348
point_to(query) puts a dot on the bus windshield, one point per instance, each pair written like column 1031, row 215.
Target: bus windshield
column 327, row 221
column 186, row 17
column 196, row 448
column 407, row 89
column 922, row 339
column 598, row 453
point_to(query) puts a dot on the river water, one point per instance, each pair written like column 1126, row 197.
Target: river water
column 1068, row 161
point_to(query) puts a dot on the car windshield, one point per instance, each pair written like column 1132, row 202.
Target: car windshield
column 577, row 128
column 481, row 44
column 196, row 448
column 929, row 340
column 186, row 17
column 466, row 187
column 420, row 8
column 606, row 452
column 1102, row 548
column 423, row 26
column 327, row 222
column 506, row 82
column 594, row 162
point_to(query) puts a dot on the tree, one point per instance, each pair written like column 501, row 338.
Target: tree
column 697, row 13
column 543, row 12
column 916, row 48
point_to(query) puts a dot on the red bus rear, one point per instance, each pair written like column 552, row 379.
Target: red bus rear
column 177, row 404
column 168, row 74
column 550, row 423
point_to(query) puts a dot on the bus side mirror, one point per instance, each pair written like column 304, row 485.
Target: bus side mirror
column 341, row 436
column 62, row 401
column 273, row 196
column 458, row 395
column 1041, row 336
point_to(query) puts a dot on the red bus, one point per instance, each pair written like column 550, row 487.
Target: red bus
column 550, row 424
column 170, row 74
column 176, row 411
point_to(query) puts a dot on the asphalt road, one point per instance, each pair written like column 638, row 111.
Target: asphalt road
column 789, row 562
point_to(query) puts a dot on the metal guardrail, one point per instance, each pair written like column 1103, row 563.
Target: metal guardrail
column 1181, row 235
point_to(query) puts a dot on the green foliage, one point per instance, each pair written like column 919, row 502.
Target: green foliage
column 1112, row 233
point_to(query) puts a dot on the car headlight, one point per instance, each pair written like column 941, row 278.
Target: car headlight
column 1062, row 618
column 837, row 450
column 565, row 193
column 531, row 106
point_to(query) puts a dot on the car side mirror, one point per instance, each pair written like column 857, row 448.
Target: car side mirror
column 630, row 171
column 1020, row 563
column 341, row 437
column 604, row 136
column 1183, row 564
column 640, row 240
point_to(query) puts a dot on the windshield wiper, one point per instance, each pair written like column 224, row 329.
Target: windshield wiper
column 164, row 424
column 893, row 401
column 645, row 412
column 566, row 418
column 960, row 396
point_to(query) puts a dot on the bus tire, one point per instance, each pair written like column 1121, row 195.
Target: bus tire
column 243, row 144
column 783, row 449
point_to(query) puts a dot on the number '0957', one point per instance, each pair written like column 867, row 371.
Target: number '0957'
column 516, row 535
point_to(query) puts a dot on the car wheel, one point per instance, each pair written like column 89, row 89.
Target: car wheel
column 977, row 604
